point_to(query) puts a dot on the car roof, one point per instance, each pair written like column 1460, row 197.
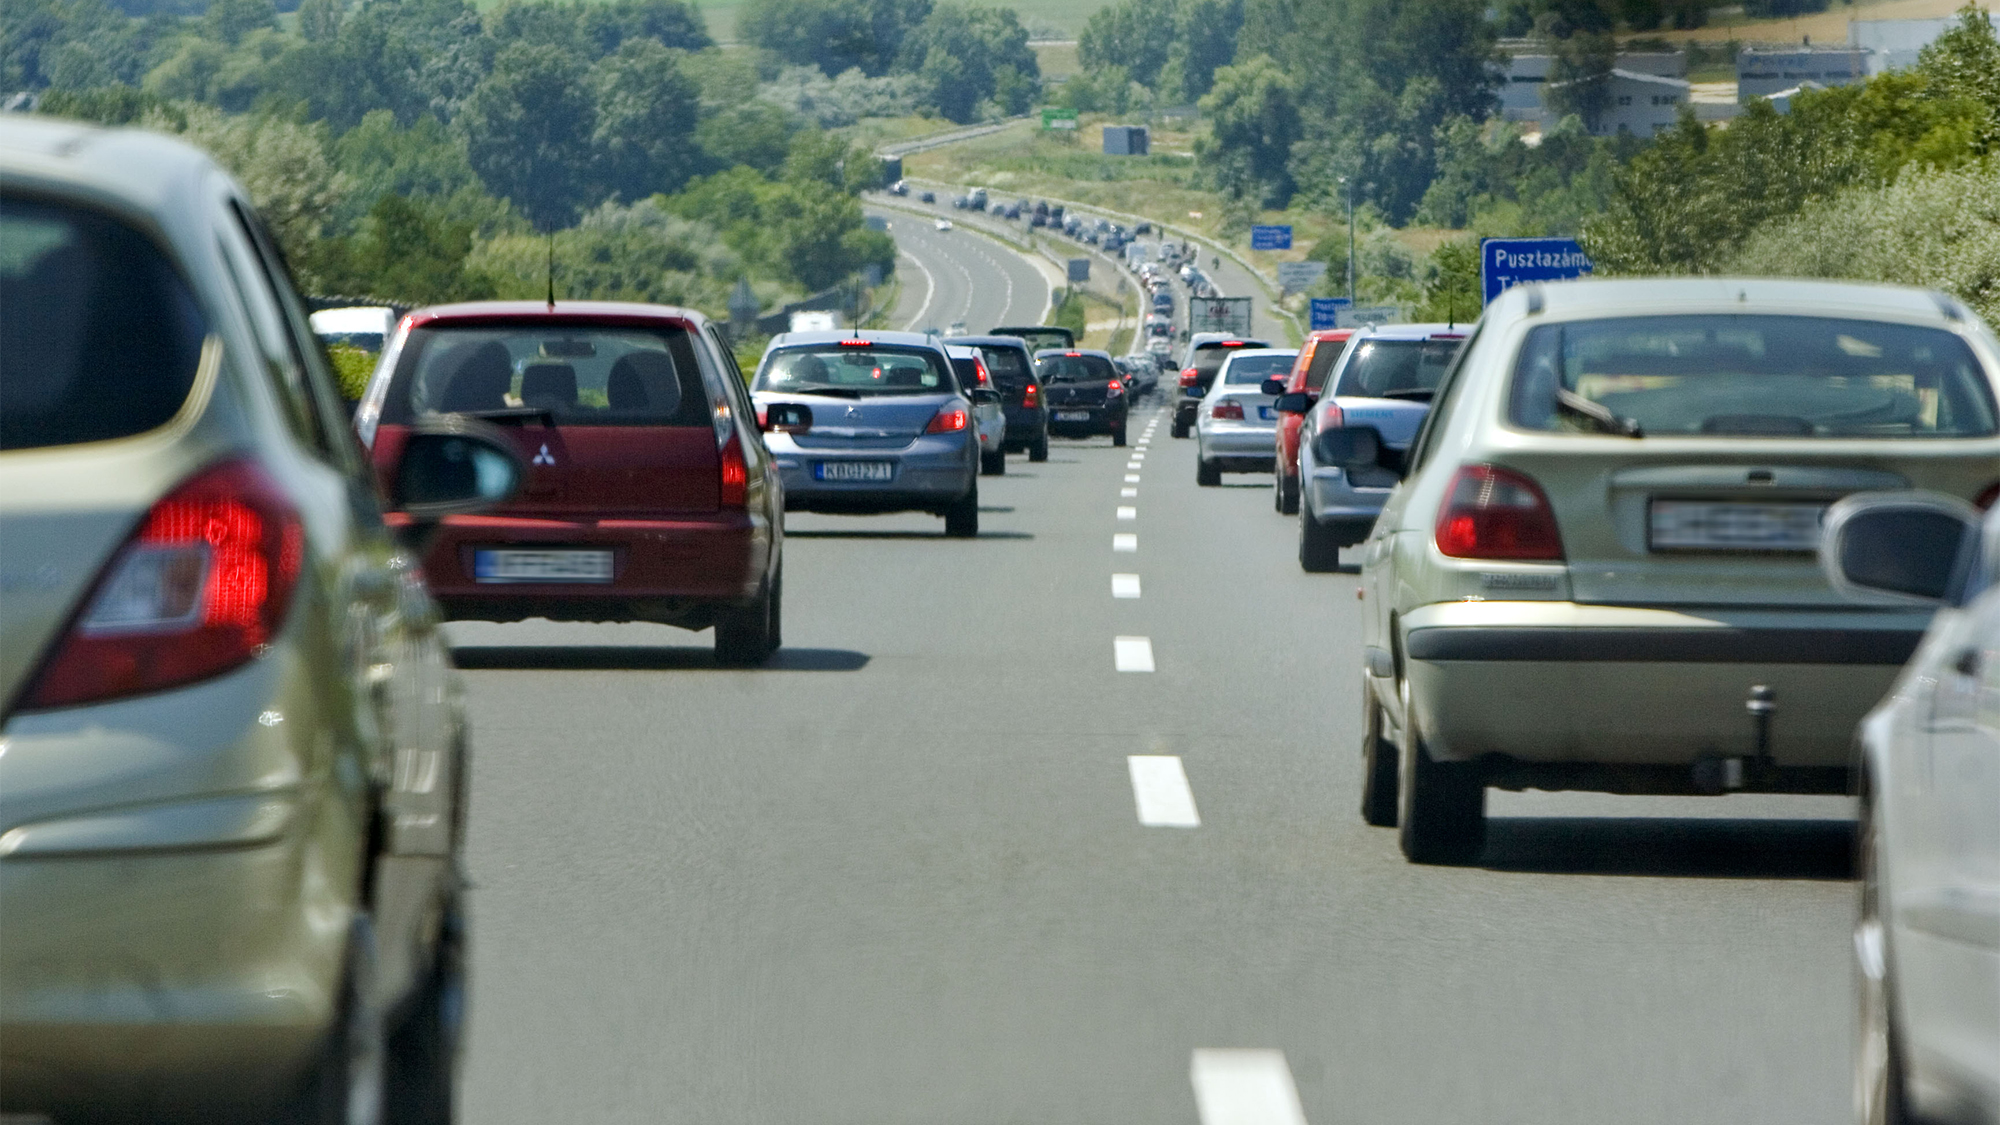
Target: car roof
column 1210, row 339
column 1414, row 331
column 988, row 341
column 561, row 312
column 100, row 162
column 960, row 351
column 834, row 336
column 1593, row 297
column 1242, row 353
column 1098, row 352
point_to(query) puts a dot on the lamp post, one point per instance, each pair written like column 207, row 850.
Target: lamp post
column 1348, row 183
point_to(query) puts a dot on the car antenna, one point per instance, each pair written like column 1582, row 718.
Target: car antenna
column 552, row 271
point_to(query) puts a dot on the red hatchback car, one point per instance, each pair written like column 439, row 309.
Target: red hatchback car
column 1318, row 355
column 649, row 495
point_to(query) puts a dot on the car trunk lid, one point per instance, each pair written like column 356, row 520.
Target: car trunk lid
column 864, row 422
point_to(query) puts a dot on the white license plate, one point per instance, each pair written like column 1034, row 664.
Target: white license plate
column 1692, row 525
column 1072, row 415
column 854, row 470
column 541, row 566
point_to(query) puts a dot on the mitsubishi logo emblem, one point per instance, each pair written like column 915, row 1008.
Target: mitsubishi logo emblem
column 543, row 457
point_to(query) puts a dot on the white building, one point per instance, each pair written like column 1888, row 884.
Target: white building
column 1528, row 66
column 1635, row 103
column 1893, row 44
column 1763, row 72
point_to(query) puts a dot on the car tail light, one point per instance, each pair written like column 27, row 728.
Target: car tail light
column 1333, row 419
column 850, row 343
column 949, row 420
column 1031, row 396
column 735, row 474
column 1495, row 513
column 1227, row 408
column 1188, row 376
column 198, row 589
column 1115, row 387
column 1987, row 496
column 980, row 366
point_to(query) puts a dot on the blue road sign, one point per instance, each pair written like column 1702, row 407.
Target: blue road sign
column 1274, row 237
column 1326, row 312
column 1507, row 262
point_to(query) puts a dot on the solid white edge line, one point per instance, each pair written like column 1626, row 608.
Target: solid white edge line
column 1244, row 1086
column 930, row 290
column 1161, row 793
column 1124, row 585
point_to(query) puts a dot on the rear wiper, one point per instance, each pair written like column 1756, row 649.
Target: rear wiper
column 1412, row 395
column 1578, row 407
column 511, row 413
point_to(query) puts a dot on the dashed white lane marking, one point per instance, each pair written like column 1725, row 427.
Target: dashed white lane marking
column 1125, row 541
column 1135, row 465
column 1131, row 478
column 1124, row 585
column 1125, row 513
column 1132, row 654
column 1244, row 1086
column 1128, row 492
column 1160, row 789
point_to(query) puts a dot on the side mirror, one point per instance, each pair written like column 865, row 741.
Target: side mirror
column 1354, row 447
column 1273, row 387
column 451, row 466
column 979, row 394
column 788, row 417
column 1908, row 547
column 1297, row 402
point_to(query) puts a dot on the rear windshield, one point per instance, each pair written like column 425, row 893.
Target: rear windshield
column 1393, row 368
column 967, row 371
column 1075, row 369
column 100, row 336
column 1039, row 338
column 1208, row 357
column 851, row 372
column 580, row 375
column 1324, row 356
column 1007, row 367
column 1255, row 369
column 1765, row 376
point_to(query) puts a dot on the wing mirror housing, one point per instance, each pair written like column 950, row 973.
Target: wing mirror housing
column 1272, row 387
column 1907, row 548
column 1356, row 447
column 981, row 394
column 1297, row 402
column 789, row 417
column 450, row 465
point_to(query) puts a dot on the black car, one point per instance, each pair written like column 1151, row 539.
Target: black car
column 1198, row 377
column 1010, row 364
column 928, row 197
column 1040, row 337
column 1085, row 393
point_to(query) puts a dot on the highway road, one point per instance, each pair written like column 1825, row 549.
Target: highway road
column 1058, row 825
column 959, row 276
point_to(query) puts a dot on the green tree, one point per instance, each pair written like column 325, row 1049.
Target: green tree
column 833, row 35
column 753, row 134
column 1254, row 122
column 647, row 110
column 957, row 53
column 1129, row 33
column 228, row 21
column 528, row 129
column 408, row 251
column 607, row 26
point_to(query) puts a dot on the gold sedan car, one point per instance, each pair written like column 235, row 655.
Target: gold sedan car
column 1598, row 570
column 232, row 753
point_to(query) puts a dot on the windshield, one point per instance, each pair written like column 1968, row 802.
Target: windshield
column 967, row 370
column 579, row 375
column 99, row 335
column 1208, row 358
column 1254, row 369
column 848, row 371
column 1074, row 369
column 1765, row 376
column 1384, row 368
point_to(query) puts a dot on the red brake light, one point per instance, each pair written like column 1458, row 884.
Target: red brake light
column 1115, row 387
column 980, row 366
column 1231, row 344
column 1188, row 376
column 1334, row 419
column 1987, row 496
column 198, row 589
column 1031, row 395
column 1496, row 513
column 735, row 474
column 1073, row 354
column 948, row 420
column 855, row 343
column 1227, row 408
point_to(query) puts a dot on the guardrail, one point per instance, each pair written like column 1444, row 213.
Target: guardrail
column 949, row 136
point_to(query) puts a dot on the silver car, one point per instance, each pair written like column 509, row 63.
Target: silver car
column 1927, row 937
column 1384, row 378
column 233, row 754
column 891, row 429
column 987, row 414
column 1598, row 571
column 1236, row 422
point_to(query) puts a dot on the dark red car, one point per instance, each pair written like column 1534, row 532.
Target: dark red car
column 649, row 494
column 1316, row 357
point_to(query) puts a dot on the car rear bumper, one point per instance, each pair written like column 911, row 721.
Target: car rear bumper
column 707, row 558
column 1101, row 419
column 1331, row 498
column 928, row 475
column 1023, row 426
column 1559, row 682
column 1244, row 448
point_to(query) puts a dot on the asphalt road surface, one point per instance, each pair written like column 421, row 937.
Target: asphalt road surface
column 959, row 276
column 906, row 874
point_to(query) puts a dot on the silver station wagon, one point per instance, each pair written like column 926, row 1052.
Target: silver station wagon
column 1598, row 570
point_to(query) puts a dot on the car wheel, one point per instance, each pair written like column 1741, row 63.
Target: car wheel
column 1038, row 450
column 1879, row 1095
column 1180, row 429
column 344, row 1085
column 746, row 636
column 993, row 464
column 1378, row 763
column 1319, row 551
column 1288, row 495
column 1118, row 435
column 961, row 520
column 423, row 1052
column 1206, row 474
column 1441, row 806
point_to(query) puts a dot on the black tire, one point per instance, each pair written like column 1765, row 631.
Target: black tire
column 1118, row 434
column 424, row 1050
column 1038, row 449
column 1441, row 806
column 345, row 1082
column 1287, row 495
column 1378, row 764
column 746, row 636
column 961, row 520
column 1206, row 474
column 1180, row 429
column 1319, row 551
column 993, row 464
